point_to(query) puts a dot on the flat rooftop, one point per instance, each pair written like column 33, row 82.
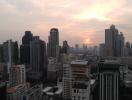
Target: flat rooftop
column 110, row 61
column 79, row 62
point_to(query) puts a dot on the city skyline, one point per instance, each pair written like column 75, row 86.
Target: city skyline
column 76, row 25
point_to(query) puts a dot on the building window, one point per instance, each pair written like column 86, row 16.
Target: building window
column 74, row 91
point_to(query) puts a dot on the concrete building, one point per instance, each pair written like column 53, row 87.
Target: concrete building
column 53, row 43
column 80, row 80
column 76, row 80
column 17, row 75
column 52, row 69
column 67, row 84
column 108, row 80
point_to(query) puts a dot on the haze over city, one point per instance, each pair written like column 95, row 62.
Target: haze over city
column 78, row 21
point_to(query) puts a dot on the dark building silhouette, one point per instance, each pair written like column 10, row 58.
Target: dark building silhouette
column 25, row 48
column 128, row 46
column 53, row 43
column 10, row 51
column 38, row 60
column 1, row 53
column 65, row 47
column 114, row 42
column 3, row 93
column 15, row 53
column 108, row 80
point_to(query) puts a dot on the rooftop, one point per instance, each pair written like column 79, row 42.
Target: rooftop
column 80, row 62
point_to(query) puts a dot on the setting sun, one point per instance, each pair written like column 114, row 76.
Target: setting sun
column 87, row 41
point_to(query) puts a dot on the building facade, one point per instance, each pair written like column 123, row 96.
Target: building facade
column 114, row 42
column 80, row 80
column 53, row 43
column 108, row 80
column 17, row 75
column 25, row 48
column 38, row 59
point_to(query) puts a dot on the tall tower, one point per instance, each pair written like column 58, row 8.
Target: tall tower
column 111, row 40
column 25, row 48
column 80, row 74
column 108, row 80
column 37, row 54
column 53, row 43
column 10, row 53
column 121, row 44
column 65, row 47
column 38, row 59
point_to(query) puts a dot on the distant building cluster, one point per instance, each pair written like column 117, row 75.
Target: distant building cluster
column 36, row 70
column 115, row 44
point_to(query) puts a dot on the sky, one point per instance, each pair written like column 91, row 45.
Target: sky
column 78, row 21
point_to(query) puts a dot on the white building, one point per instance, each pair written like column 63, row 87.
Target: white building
column 80, row 80
column 76, row 80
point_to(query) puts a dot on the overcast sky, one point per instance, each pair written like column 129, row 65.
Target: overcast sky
column 78, row 21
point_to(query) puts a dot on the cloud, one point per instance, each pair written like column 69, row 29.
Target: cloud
column 76, row 19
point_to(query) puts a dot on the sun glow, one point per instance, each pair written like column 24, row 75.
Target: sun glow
column 87, row 41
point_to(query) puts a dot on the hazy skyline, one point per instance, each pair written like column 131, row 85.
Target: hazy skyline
column 77, row 20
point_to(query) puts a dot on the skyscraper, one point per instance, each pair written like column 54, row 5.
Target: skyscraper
column 53, row 43
column 76, row 80
column 10, row 53
column 80, row 74
column 108, row 80
column 25, row 48
column 38, row 58
column 111, row 38
column 120, row 45
column 65, row 47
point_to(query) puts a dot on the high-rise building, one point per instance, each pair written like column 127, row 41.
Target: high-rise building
column 121, row 43
column 128, row 48
column 1, row 53
column 80, row 74
column 108, row 80
column 52, row 69
column 65, row 47
column 10, row 53
column 53, row 43
column 76, row 80
column 38, row 59
column 114, row 41
column 17, row 75
column 111, row 37
column 67, row 84
column 102, row 50
column 25, row 48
